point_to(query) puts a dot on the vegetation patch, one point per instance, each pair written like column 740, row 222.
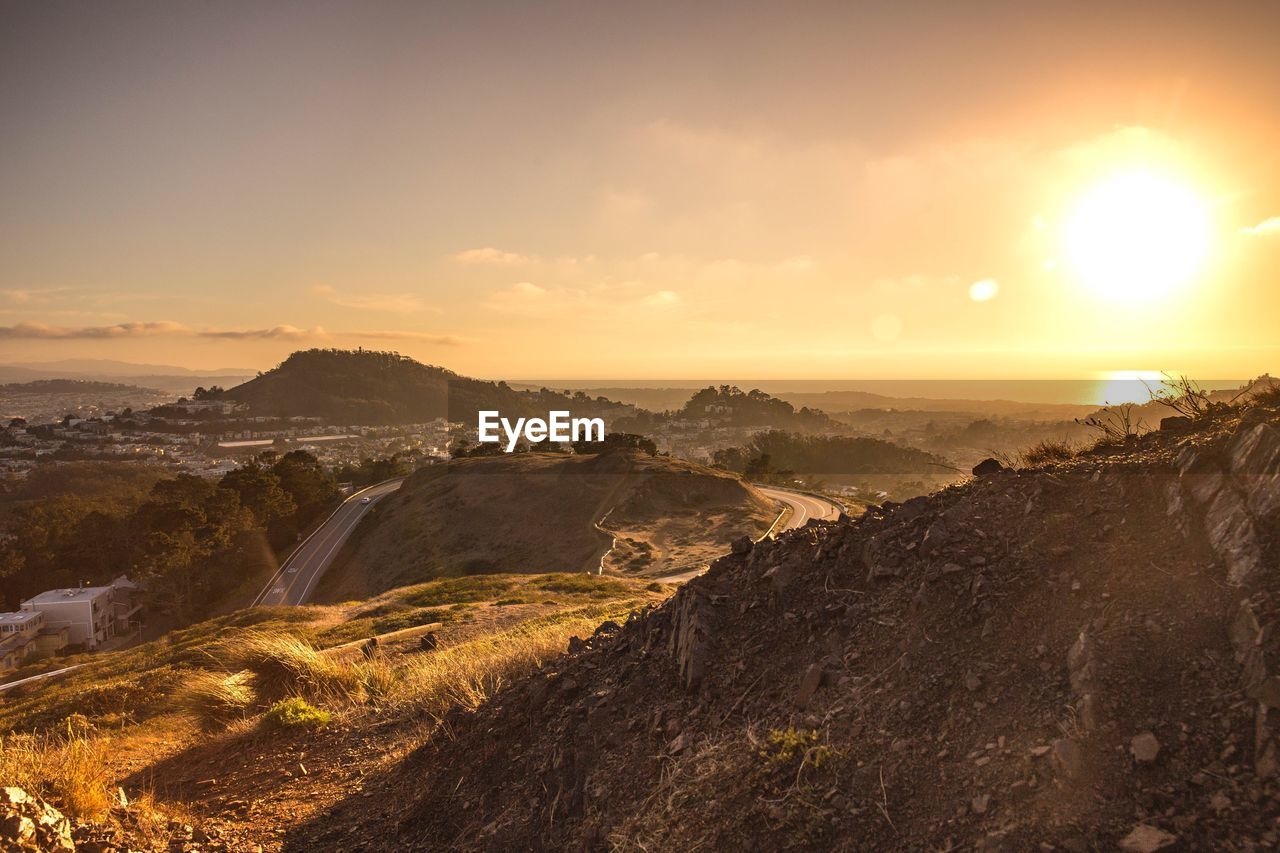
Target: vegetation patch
column 295, row 713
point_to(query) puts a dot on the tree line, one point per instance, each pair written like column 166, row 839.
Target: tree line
column 191, row 540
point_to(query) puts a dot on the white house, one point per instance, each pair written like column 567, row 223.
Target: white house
column 87, row 612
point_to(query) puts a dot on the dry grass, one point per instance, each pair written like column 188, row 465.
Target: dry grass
column 469, row 673
column 68, row 768
column 1049, row 450
column 286, row 665
column 216, row 698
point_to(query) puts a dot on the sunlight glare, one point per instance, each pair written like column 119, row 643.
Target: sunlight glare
column 1137, row 237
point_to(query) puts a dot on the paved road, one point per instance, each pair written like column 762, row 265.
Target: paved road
column 803, row 507
column 296, row 578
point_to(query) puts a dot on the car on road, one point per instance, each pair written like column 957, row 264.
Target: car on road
column 365, row 500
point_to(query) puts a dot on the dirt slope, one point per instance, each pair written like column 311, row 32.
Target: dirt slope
column 537, row 512
column 1070, row 658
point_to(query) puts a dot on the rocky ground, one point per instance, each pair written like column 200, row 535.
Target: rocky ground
column 1072, row 657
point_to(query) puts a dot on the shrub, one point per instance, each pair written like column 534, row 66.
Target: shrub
column 782, row 745
column 215, row 698
column 295, row 713
column 1114, row 424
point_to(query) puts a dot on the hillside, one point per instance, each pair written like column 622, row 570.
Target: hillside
column 220, row 736
column 1069, row 657
column 537, row 512
column 1080, row 655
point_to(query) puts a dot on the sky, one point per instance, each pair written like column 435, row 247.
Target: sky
column 659, row 190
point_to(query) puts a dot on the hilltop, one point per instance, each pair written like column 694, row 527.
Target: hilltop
column 1067, row 656
column 367, row 387
column 539, row 512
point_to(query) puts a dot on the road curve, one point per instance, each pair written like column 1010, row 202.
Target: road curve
column 803, row 507
column 296, row 579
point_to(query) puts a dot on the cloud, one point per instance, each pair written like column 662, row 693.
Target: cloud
column 490, row 255
column 398, row 303
column 1267, row 226
column 165, row 328
column 397, row 335
column 663, row 297
column 291, row 333
column 41, row 331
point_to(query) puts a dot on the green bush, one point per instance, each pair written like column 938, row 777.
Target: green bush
column 295, row 713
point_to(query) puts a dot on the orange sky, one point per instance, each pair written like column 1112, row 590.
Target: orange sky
column 786, row 190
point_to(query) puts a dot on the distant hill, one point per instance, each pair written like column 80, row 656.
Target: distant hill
column 537, row 512
column 71, row 386
column 167, row 378
column 366, row 387
column 94, row 367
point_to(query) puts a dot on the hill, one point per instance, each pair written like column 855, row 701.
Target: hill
column 538, row 512
column 343, row 386
column 1070, row 657
column 366, row 387
column 80, row 387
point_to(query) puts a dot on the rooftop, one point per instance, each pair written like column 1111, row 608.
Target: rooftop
column 57, row 596
column 18, row 618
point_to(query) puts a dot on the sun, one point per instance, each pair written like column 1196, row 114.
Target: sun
column 1138, row 236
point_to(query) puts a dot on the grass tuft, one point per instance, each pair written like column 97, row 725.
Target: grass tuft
column 216, row 698
column 1049, row 450
column 284, row 665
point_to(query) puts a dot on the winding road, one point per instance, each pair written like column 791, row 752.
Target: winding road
column 295, row 580
column 803, row 507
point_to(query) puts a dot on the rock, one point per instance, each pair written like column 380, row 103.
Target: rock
column 979, row 803
column 1175, row 423
column 1145, row 747
column 972, row 681
column 912, row 509
column 29, row 823
column 607, row 627
column 690, row 639
column 987, row 466
column 576, row 645
column 809, row 684
column 742, row 545
column 428, row 642
column 1145, row 838
column 936, row 536
column 1068, row 755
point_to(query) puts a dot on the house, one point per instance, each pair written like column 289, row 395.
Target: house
column 87, row 612
column 18, row 632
